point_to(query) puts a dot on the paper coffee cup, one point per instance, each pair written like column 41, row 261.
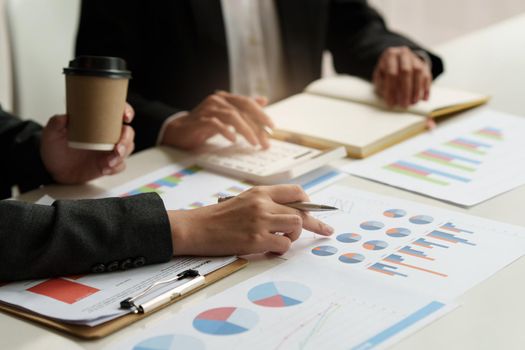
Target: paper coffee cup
column 96, row 90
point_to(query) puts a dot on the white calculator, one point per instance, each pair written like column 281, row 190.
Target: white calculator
column 281, row 162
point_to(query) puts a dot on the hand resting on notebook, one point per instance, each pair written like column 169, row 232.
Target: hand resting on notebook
column 402, row 77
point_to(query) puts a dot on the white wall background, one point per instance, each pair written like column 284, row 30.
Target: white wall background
column 5, row 74
column 435, row 21
column 430, row 22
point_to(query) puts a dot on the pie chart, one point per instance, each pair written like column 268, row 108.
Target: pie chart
column 375, row 245
column 279, row 294
column 170, row 342
column 348, row 237
column 395, row 213
column 397, row 232
column 421, row 219
column 225, row 321
column 324, row 250
column 351, row 258
column 372, row 225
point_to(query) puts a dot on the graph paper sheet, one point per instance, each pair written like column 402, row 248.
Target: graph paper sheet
column 465, row 161
column 422, row 248
column 286, row 308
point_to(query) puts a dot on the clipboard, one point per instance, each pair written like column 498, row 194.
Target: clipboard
column 112, row 326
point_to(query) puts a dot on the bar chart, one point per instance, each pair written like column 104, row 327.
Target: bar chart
column 425, row 173
column 184, row 186
column 469, row 145
column 418, row 257
column 464, row 163
column 490, row 133
column 164, row 183
column 410, row 245
column 449, row 159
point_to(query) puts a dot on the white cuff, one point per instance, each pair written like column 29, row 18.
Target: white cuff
column 166, row 122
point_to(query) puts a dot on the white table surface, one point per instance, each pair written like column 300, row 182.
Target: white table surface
column 492, row 61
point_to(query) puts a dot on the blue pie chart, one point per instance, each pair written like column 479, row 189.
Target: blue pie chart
column 170, row 342
column 394, row 213
column 279, row 294
column 324, row 250
column 348, row 237
column 398, row 232
column 372, row 225
column 351, row 258
column 421, row 219
column 375, row 245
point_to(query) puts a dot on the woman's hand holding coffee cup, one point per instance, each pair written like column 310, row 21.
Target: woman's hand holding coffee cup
column 73, row 166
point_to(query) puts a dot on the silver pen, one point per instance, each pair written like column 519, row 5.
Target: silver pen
column 304, row 206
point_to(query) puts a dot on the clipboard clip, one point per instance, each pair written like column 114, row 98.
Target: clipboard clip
column 195, row 281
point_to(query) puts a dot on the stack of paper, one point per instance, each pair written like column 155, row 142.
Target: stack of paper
column 94, row 299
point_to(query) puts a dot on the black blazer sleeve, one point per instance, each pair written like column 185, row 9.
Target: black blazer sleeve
column 20, row 155
column 82, row 236
column 114, row 28
column 357, row 35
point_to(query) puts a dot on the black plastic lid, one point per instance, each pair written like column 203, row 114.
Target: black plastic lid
column 101, row 66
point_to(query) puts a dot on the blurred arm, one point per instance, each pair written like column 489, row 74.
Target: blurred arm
column 357, row 36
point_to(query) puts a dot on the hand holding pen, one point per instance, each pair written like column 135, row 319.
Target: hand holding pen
column 245, row 224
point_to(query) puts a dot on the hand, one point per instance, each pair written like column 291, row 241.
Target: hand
column 73, row 166
column 401, row 77
column 244, row 224
column 215, row 115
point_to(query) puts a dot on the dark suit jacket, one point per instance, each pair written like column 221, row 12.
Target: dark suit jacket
column 70, row 237
column 178, row 54
column 20, row 155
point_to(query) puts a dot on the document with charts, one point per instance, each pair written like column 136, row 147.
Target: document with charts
column 292, row 306
column 94, row 299
column 422, row 248
column 187, row 186
column 465, row 161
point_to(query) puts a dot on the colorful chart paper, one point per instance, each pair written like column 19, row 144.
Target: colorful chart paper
column 164, row 183
column 279, row 294
column 465, row 161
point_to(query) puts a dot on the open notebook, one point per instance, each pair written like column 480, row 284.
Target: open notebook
column 343, row 110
